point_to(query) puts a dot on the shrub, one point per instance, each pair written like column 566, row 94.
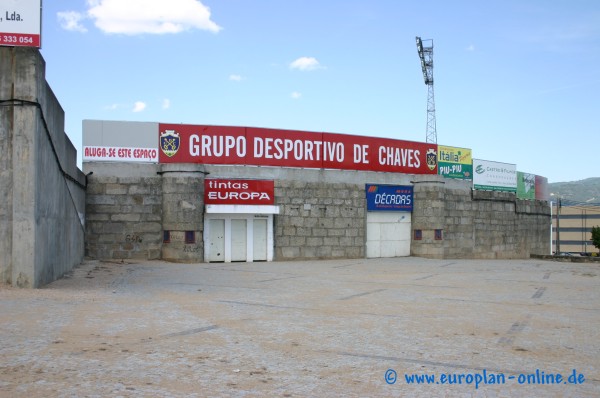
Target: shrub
column 596, row 237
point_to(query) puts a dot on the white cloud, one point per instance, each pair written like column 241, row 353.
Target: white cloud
column 133, row 17
column 306, row 64
column 71, row 20
column 470, row 48
column 139, row 106
column 296, row 95
column 235, row 78
column 166, row 103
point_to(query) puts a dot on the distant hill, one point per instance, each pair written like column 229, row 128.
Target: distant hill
column 577, row 192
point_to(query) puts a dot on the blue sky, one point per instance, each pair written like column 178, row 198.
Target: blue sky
column 515, row 81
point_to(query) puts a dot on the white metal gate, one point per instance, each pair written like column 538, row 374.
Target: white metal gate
column 388, row 234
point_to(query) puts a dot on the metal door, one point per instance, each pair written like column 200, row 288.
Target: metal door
column 388, row 234
column 217, row 240
column 259, row 243
column 239, row 241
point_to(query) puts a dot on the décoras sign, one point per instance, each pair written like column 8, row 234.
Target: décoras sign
column 389, row 197
column 239, row 192
column 286, row 148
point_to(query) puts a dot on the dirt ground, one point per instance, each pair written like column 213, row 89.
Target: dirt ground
column 352, row 328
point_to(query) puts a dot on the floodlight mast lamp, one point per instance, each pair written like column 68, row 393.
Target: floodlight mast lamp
column 426, row 56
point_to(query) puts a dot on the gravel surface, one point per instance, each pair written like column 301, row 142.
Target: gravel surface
column 305, row 329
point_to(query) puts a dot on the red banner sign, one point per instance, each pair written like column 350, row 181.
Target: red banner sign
column 19, row 39
column 287, row 148
column 238, row 192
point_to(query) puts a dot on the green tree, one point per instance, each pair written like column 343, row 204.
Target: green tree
column 596, row 237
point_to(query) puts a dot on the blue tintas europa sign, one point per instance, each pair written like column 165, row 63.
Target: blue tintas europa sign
column 389, row 197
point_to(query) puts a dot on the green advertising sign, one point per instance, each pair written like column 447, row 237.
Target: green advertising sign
column 455, row 162
column 525, row 185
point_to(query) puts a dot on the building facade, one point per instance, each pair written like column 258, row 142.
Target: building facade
column 572, row 227
column 241, row 194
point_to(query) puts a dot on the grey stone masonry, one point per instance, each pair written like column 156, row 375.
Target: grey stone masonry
column 131, row 206
column 319, row 220
column 183, row 212
column 124, row 217
column 322, row 213
column 478, row 224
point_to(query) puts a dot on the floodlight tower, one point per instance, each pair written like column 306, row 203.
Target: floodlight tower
column 426, row 56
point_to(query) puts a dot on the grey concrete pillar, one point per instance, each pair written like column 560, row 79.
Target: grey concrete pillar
column 41, row 212
column 6, row 164
column 19, row 74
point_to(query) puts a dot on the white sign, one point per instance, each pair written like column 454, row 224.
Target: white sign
column 119, row 154
column 494, row 176
column 20, row 23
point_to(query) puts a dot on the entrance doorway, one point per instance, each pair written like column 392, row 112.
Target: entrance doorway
column 238, row 237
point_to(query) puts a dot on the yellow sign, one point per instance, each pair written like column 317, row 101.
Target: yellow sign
column 450, row 154
column 455, row 162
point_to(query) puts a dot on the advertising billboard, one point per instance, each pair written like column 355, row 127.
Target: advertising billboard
column 181, row 143
column 525, row 185
column 238, row 192
column 531, row 186
column 20, row 23
column 455, row 162
column 107, row 141
column 494, row 176
column 389, row 197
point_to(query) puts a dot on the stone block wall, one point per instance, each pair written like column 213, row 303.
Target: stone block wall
column 478, row 224
column 427, row 216
column 183, row 212
column 124, row 217
column 533, row 216
column 130, row 207
column 319, row 220
column 322, row 215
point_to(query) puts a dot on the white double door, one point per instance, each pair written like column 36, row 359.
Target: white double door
column 238, row 237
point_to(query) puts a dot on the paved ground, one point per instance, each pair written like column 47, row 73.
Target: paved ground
column 305, row 329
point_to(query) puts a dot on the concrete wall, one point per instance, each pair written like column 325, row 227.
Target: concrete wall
column 41, row 191
column 6, row 164
column 322, row 213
